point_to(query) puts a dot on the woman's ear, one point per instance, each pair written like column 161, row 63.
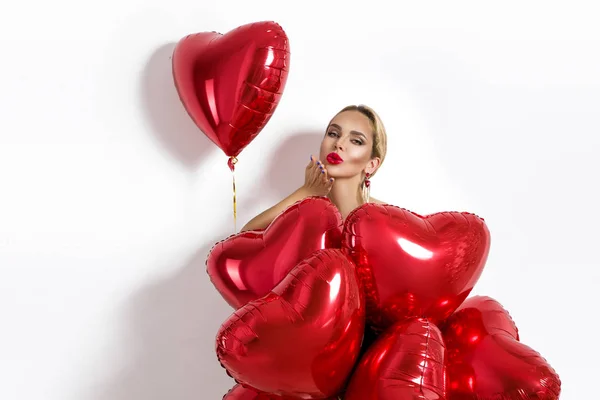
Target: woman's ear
column 373, row 165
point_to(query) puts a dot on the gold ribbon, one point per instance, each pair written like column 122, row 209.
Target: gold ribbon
column 231, row 163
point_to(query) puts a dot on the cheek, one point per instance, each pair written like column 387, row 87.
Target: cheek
column 359, row 154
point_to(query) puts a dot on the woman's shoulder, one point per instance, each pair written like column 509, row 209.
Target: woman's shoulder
column 376, row 201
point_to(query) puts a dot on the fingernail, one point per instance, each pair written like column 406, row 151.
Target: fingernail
column 330, row 179
column 322, row 171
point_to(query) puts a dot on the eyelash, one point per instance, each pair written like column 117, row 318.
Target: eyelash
column 358, row 142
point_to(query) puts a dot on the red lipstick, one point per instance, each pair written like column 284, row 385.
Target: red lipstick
column 334, row 158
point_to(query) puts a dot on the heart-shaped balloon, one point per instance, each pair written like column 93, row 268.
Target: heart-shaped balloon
column 414, row 266
column 406, row 362
column 231, row 84
column 239, row 392
column 302, row 339
column 247, row 265
column 486, row 359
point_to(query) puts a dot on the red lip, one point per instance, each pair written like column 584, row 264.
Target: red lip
column 334, row 158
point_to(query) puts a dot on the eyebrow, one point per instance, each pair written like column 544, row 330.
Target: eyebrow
column 352, row 132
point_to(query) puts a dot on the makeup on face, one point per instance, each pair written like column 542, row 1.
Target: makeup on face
column 346, row 147
column 334, row 158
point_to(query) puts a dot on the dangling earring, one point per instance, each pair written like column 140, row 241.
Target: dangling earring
column 367, row 188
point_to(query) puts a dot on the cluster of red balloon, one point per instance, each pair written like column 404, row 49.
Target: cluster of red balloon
column 371, row 308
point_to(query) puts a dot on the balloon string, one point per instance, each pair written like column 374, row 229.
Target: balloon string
column 231, row 163
column 234, row 205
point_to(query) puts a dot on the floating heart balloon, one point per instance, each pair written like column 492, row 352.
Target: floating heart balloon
column 247, row 265
column 486, row 359
column 406, row 362
column 231, row 84
column 303, row 338
column 239, row 392
column 414, row 266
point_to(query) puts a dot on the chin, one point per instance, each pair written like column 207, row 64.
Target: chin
column 333, row 167
column 338, row 171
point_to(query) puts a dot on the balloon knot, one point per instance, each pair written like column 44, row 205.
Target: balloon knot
column 231, row 163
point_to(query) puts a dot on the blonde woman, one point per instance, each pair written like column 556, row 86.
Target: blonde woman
column 352, row 150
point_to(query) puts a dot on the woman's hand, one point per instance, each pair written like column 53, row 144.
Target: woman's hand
column 316, row 180
column 316, row 183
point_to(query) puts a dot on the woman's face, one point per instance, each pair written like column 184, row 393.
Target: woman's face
column 347, row 146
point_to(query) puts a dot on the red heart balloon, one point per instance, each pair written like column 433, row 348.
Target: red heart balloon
column 239, row 392
column 414, row 266
column 486, row 359
column 247, row 265
column 302, row 339
column 231, row 84
column 406, row 362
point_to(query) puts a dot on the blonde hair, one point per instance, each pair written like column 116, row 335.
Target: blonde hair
column 379, row 138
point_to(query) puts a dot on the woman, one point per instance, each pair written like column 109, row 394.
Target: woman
column 352, row 150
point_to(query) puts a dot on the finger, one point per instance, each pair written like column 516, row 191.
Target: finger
column 317, row 172
column 311, row 162
column 317, row 175
column 328, row 181
column 321, row 167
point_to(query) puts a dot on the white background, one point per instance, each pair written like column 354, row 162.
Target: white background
column 111, row 198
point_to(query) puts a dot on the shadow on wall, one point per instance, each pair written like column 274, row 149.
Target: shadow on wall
column 284, row 172
column 171, row 324
column 171, row 124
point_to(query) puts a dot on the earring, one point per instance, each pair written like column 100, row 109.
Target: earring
column 367, row 188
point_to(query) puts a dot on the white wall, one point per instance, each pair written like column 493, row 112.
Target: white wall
column 111, row 198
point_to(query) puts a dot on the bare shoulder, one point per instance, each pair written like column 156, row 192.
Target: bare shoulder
column 376, row 201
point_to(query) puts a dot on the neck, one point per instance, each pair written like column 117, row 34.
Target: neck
column 346, row 195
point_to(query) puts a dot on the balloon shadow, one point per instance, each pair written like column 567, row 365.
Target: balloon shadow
column 172, row 324
column 171, row 124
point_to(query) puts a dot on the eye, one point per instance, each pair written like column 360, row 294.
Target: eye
column 357, row 142
column 332, row 134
